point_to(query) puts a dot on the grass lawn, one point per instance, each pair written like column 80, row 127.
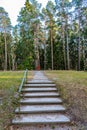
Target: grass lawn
column 9, row 84
column 71, row 84
column 9, row 79
column 73, row 88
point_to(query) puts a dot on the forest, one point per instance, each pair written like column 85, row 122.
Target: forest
column 50, row 38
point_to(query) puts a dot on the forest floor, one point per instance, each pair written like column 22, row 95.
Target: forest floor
column 73, row 89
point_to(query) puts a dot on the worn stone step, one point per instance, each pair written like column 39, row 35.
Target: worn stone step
column 40, row 94
column 39, row 85
column 38, row 89
column 40, row 109
column 41, row 101
column 40, row 82
column 26, row 119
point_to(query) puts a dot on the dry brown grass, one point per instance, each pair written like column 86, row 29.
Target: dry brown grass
column 73, row 88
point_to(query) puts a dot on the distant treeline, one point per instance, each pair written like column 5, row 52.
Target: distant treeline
column 55, row 35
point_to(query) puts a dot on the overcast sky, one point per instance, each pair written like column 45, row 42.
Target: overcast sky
column 13, row 7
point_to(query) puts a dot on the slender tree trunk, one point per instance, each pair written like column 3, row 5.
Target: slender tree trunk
column 67, row 38
column 13, row 62
column 68, row 60
column 63, row 35
column 9, row 61
column 79, row 51
column 64, row 52
column 5, row 51
column 35, row 49
column 45, row 50
column 51, row 36
column 45, row 55
column 37, row 58
column 83, row 52
column 45, row 46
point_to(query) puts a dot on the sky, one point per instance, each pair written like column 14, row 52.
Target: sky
column 13, row 7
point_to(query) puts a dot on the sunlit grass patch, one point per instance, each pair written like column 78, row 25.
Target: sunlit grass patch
column 10, row 78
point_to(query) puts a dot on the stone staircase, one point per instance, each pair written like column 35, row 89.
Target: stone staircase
column 40, row 103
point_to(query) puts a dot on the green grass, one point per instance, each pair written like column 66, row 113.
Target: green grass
column 9, row 83
column 68, row 76
column 10, row 78
column 73, row 88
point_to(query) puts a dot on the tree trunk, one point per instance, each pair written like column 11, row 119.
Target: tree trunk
column 5, row 68
column 63, row 36
column 64, row 52
column 51, row 39
column 79, row 51
column 83, row 51
column 68, row 60
column 9, row 61
column 37, row 58
column 13, row 62
column 67, row 41
column 44, row 54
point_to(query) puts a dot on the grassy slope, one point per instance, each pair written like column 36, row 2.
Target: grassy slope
column 9, row 83
column 9, row 78
column 73, row 88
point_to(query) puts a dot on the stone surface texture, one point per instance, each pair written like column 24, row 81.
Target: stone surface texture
column 40, row 106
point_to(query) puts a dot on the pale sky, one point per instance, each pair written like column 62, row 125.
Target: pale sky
column 13, row 7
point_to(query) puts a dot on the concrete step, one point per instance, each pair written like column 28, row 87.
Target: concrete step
column 39, row 89
column 26, row 119
column 39, row 85
column 40, row 109
column 41, row 101
column 40, row 94
column 40, row 82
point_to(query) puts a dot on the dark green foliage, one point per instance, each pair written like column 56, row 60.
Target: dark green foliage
column 5, row 39
column 61, row 42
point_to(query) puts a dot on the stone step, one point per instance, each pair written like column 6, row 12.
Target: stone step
column 41, row 94
column 40, row 109
column 39, row 85
column 41, row 100
column 26, row 119
column 40, row 82
column 39, row 89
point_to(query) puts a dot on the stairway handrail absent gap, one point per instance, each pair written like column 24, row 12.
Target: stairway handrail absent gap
column 23, row 80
